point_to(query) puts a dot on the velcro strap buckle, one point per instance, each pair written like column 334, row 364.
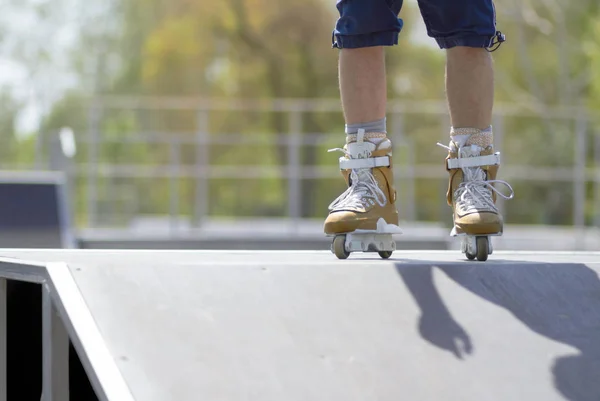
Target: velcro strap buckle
column 372, row 162
column 475, row 161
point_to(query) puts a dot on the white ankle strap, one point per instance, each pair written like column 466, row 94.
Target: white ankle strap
column 372, row 162
column 475, row 161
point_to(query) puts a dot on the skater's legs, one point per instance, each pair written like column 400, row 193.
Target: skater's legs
column 362, row 85
column 470, row 92
column 370, row 196
column 364, row 28
column 361, row 32
column 467, row 29
column 470, row 87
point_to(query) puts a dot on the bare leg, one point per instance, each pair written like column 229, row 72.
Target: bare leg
column 370, row 195
column 470, row 90
column 363, row 84
column 470, row 87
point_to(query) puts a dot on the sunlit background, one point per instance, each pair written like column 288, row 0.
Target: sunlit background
column 188, row 120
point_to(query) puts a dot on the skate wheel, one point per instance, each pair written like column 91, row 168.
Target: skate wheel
column 339, row 247
column 470, row 256
column 385, row 254
column 482, row 249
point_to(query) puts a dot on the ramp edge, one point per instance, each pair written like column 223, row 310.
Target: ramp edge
column 101, row 368
column 22, row 270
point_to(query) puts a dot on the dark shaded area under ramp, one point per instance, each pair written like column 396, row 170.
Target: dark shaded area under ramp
column 305, row 326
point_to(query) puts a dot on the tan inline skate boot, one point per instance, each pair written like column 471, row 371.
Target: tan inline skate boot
column 473, row 166
column 364, row 217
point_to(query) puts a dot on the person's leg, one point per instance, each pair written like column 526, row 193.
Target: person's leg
column 470, row 86
column 364, row 28
column 363, row 84
column 467, row 29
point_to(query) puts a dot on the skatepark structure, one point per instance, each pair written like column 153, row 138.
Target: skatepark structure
column 306, row 235
column 293, row 325
column 162, row 325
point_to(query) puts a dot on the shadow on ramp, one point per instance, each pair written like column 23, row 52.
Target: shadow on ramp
column 558, row 301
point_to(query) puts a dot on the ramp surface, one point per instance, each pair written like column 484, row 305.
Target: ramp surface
column 304, row 326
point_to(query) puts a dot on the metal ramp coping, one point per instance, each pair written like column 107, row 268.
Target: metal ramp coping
column 246, row 325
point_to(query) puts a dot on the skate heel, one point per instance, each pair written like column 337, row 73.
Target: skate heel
column 476, row 246
column 380, row 240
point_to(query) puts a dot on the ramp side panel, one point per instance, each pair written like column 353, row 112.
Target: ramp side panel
column 85, row 336
column 368, row 330
column 22, row 269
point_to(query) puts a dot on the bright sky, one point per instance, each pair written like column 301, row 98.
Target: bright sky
column 28, row 34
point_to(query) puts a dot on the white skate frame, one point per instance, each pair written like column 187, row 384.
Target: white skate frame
column 376, row 240
column 453, row 233
column 468, row 242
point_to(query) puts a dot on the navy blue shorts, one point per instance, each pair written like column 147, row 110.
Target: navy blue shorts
column 365, row 23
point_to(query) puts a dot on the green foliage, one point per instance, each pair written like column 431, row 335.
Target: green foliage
column 265, row 49
column 71, row 111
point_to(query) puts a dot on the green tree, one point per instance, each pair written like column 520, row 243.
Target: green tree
column 274, row 49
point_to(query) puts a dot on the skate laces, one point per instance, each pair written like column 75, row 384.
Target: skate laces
column 474, row 194
column 363, row 191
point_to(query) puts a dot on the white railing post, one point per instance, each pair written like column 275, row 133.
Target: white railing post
column 174, row 175
column 579, row 180
column 403, row 157
column 94, row 137
column 202, row 198
column 597, row 179
column 294, row 167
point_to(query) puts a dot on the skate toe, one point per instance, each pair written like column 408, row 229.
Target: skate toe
column 345, row 221
column 479, row 223
column 341, row 222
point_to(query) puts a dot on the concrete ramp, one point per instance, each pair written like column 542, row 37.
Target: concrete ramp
column 299, row 326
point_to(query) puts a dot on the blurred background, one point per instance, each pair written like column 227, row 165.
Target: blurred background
column 198, row 124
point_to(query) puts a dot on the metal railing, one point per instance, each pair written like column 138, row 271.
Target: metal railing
column 408, row 171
